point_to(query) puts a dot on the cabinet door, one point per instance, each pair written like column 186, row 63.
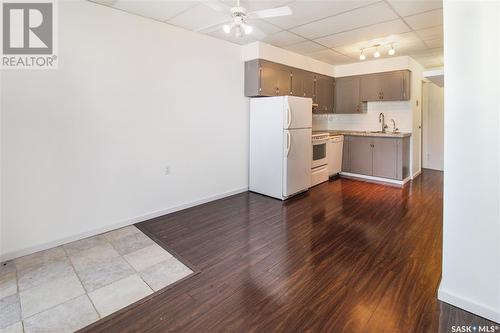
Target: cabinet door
column 297, row 83
column 347, row 99
column 308, row 84
column 385, row 157
column 388, row 86
column 360, row 155
column 331, row 94
column 324, row 91
column 391, row 86
column 371, row 87
column 268, row 80
column 284, row 81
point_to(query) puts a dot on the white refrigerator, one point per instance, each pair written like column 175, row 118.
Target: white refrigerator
column 280, row 145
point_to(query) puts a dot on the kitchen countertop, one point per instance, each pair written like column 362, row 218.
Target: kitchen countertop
column 388, row 134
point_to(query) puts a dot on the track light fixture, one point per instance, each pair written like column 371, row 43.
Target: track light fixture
column 376, row 54
column 362, row 55
column 392, row 51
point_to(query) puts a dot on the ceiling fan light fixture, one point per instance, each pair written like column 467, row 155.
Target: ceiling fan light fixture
column 248, row 29
column 239, row 18
column 238, row 31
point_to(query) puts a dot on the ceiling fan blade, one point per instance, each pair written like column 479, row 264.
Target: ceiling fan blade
column 271, row 12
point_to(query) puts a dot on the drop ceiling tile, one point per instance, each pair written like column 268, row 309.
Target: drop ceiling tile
column 430, row 62
column 306, row 47
column 429, row 58
column 283, row 38
column 331, row 57
column 428, row 53
column 266, row 28
column 200, row 17
column 425, row 20
column 376, row 13
column 434, row 43
column 109, row 3
column 158, row 10
column 363, row 34
column 406, row 8
column 253, row 5
column 431, row 33
column 311, row 10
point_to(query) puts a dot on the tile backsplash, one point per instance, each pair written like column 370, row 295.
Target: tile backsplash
column 400, row 111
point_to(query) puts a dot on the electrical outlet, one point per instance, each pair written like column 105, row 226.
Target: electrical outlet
column 167, row 170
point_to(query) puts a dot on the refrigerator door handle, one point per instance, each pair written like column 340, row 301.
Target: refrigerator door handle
column 288, row 116
column 288, row 143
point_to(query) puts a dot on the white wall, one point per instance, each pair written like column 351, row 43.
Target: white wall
column 84, row 147
column 471, row 235
column 260, row 50
column 432, row 126
column 405, row 113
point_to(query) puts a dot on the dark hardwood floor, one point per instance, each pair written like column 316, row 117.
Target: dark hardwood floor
column 348, row 256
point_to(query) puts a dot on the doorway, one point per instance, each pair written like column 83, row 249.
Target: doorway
column 432, row 126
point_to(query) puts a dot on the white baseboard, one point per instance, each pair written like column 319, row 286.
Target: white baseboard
column 469, row 305
column 137, row 219
column 416, row 174
column 376, row 179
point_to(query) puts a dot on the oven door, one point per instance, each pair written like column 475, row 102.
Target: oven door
column 319, row 155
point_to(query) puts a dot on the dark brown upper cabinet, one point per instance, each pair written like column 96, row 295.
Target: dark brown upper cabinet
column 266, row 78
column 347, row 95
column 387, row 86
column 302, row 83
column 283, row 81
column 308, row 83
column 324, row 90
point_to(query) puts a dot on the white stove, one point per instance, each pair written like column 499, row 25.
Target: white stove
column 319, row 171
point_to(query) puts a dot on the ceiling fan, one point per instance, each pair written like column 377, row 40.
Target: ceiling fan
column 239, row 17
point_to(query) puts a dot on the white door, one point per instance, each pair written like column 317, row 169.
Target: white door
column 297, row 161
column 297, row 113
column 433, row 126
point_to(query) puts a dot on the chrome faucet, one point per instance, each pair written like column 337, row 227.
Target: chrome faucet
column 381, row 119
column 394, row 128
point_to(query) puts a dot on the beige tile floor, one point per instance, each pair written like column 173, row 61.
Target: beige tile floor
column 69, row 287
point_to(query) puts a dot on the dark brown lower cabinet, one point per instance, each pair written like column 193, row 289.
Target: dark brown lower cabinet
column 385, row 157
column 361, row 155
